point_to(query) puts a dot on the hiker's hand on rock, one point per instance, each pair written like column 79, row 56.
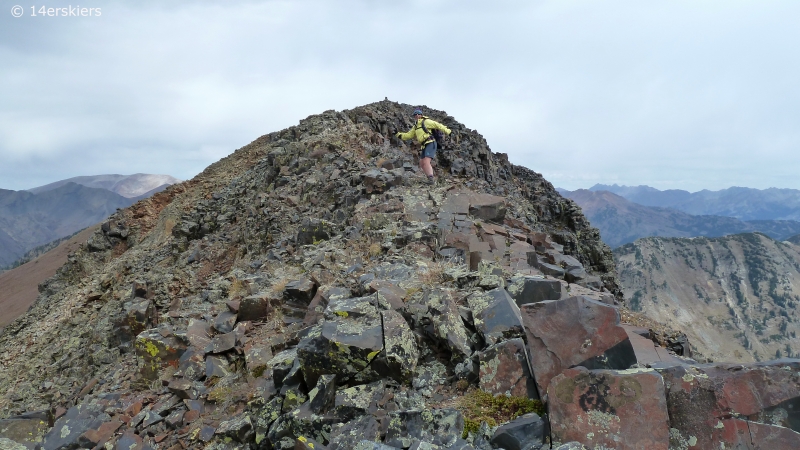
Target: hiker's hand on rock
column 398, row 135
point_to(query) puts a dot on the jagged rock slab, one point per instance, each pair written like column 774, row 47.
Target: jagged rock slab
column 701, row 398
column 437, row 426
column 28, row 428
column 447, row 321
column 523, row 433
column 153, row 351
column 526, row 290
column 68, row 429
column 504, row 370
column 345, row 344
column 623, row 410
column 496, row 315
column 401, row 353
column 577, row 331
column 352, row 433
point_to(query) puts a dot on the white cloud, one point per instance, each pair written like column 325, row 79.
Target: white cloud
column 672, row 94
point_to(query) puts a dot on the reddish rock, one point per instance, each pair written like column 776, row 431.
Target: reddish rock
column 603, row 409
column 487, row 207
column 198, row 333
column 504, row 370
column 577, row 331
column 302, row 290
column 390, row 295
column 703, row 399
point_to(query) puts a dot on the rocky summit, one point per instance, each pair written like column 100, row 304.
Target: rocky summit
column 312, row 291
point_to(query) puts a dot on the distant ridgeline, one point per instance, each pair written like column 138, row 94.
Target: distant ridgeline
column 38, row 251
column 29, row 219
column 621, row 220
column 736, row 297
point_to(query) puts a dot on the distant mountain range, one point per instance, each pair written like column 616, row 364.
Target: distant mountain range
column 41, row 215
column 621, row 221
column 138, row 185
column 739, row 202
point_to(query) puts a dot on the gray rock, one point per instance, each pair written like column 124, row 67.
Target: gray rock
column 570, row 446
column 344, row 346
column 67, row 429
column 447, row 322
column 238, row 428
column 495, row 315
column 522, row 433
column 225, row 322
column 27, row 428
column 526, row 290
column 352, row 433
column 302, row 290
column 323, row 396
column 401, row 353
column 253, row 307
column 438, row 426
column 551, row 269
column 216, row 367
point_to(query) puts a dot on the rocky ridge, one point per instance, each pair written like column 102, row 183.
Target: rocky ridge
column 308, row 291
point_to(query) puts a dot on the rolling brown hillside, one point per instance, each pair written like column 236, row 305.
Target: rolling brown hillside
column 19, row 286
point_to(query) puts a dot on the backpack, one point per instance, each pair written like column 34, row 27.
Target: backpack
column 437, row 135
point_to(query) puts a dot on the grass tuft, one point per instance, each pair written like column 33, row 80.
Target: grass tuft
column 480, row 406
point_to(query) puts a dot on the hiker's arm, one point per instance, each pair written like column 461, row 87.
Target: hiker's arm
column 408, row 135
column 434, row 124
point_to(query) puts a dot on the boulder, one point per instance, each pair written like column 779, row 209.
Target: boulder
column 323, row 396
column 302, row 290
column 154, row 350
column 577, row 331
column 441, row 427
column 225, row 321
column 345, row 344
column 400, row 356
column 352, row 433
column 490, row 208
column 313, row 231
column 376, row 181
column 69, row 428
column 253, row 308
column 702, row 398
column 28, row 428
column 216, row 367
column 504, row 370
column 447, row 322
column 526, row 290
column 359, row 400
column 623, row 410
column 496, row 316
column 238, row 428
column 192, row 364
column 523, row 433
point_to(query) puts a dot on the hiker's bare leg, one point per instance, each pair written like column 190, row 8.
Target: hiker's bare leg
column 425, row 165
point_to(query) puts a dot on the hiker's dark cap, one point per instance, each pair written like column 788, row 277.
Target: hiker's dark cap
column 417, row 112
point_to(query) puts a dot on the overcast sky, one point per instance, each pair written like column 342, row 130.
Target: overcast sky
column 672, row 94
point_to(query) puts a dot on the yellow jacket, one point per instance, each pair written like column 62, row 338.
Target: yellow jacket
column 416, row 132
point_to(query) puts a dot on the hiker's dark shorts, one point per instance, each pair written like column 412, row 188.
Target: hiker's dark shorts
column 429, row 151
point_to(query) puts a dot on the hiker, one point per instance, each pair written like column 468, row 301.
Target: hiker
column 421, row 131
